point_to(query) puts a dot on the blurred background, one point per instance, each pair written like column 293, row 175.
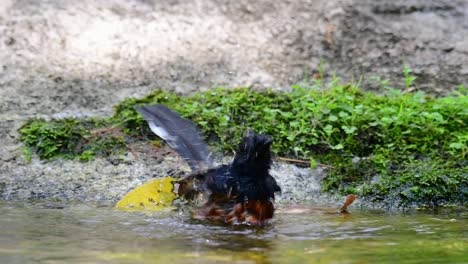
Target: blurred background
column 61, row 56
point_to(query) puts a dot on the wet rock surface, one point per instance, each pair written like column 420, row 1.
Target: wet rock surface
column 79, row 58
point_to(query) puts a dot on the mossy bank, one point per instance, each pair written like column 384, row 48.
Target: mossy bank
column 397, row 148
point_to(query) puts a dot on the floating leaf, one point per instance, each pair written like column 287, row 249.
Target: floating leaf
column 154, row 195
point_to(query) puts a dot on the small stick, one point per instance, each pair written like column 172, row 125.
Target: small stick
column 293, row 160
column 113, row 129
column 302, row 162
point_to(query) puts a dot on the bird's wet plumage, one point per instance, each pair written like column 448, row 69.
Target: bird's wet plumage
column 240, row 192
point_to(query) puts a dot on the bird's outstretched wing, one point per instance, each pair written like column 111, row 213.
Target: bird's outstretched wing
column 180, row 133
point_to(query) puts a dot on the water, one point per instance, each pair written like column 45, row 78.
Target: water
column 44, row 233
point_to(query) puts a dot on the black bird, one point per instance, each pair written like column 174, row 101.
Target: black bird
column 240, row 192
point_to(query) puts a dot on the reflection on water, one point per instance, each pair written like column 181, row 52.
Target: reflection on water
column 41, row 233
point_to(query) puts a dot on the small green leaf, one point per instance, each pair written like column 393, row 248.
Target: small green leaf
column 343, row 114
column 349, row 130
column 313, row 163
column 328, row 129
column 457, row 145
column 338, row 147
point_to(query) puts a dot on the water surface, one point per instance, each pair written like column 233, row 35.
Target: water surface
column 54, row 233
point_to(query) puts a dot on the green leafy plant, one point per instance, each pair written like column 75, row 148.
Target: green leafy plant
column 408, row 77
column 67, row 138
column 53, row 138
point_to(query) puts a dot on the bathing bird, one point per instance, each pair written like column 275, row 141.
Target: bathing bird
column 241, row 192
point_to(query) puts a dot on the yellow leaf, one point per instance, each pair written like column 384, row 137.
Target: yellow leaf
column 154, row 195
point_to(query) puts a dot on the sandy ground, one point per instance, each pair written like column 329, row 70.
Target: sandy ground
column 79, row 58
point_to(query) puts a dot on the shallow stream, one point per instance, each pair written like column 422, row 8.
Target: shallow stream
column 76, row 233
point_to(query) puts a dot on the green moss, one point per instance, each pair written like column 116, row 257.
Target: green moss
column 68, row 138
column 103, row 145
column 54, row 138
column 422, row 182
column 403, row 147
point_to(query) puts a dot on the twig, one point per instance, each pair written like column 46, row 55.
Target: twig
column 293, row 160
column 302, row 162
